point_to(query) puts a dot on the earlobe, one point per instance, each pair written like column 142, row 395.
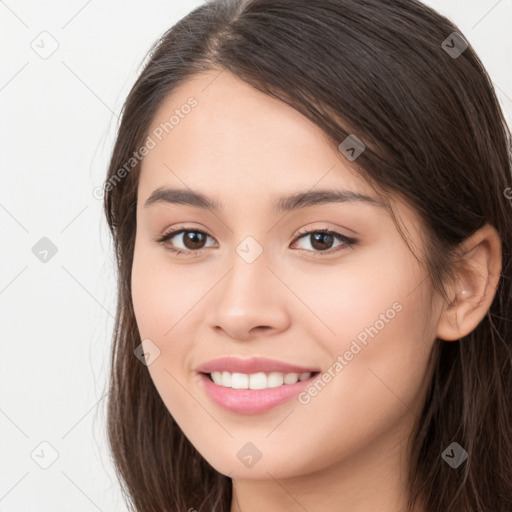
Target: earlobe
column 475, row 287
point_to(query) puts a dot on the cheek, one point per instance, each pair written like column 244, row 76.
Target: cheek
column 162, row 294
column 161, row 301
column 375, row 361
column 375, row 331
column 370, row 287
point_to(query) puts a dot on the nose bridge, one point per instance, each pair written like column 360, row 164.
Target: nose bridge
column 249, row 273
column 247, row 297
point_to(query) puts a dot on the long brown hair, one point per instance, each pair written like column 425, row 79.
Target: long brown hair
column 388, row 72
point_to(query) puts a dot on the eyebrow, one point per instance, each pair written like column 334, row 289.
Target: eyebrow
column 284, row 204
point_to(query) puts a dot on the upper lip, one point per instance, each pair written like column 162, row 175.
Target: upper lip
column 252, row 365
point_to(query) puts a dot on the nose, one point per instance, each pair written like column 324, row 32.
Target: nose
column 249, row 302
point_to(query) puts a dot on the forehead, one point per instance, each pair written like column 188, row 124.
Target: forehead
column 235, row 136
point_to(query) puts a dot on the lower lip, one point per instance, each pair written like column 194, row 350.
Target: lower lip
column 252, row 401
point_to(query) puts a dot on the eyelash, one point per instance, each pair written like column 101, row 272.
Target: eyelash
column 349, row 242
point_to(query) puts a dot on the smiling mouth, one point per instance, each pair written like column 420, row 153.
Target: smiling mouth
column 257, row 381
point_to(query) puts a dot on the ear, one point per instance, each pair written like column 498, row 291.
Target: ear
column 475, row 285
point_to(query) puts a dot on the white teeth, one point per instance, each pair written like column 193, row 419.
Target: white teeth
column 257, row 380
column 239, row 381
column 226, row 379
column 275, row 379
column 291, row 378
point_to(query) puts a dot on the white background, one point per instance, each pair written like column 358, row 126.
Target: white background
column 57, row 125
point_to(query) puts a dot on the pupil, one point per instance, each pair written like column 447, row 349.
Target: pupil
column 321, row 237
column 195, row 239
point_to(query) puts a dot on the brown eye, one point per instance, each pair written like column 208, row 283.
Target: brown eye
column 192, row 240
column 322, row 240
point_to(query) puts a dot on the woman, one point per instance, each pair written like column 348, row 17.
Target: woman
column 308, row 205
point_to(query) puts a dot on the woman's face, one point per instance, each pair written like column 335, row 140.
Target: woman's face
column 256, row 286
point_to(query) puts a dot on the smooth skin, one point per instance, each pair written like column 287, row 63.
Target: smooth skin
column 345, row 450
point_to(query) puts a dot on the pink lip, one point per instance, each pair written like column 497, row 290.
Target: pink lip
column 252, row 365
column 252, row 401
